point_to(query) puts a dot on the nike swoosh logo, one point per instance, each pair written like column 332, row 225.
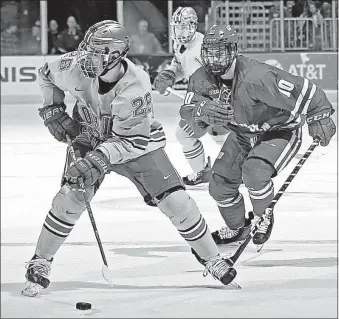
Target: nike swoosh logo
column 70, row 213
column 166, row 177
column 79, row 90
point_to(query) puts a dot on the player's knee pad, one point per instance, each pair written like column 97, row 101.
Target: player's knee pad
column 181, row 209
column 68, row 204
column 257, row 173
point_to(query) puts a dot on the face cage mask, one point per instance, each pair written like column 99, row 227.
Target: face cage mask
column 183, row 32
column 93, row 62
column 218, row 60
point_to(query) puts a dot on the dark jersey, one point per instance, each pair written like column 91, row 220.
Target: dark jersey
column 263, row 96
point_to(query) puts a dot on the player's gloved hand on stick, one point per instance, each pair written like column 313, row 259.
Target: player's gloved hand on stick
column 322, row 126
column 163, row 80
column 213, row 113
column 58, row 122
column 90, row 168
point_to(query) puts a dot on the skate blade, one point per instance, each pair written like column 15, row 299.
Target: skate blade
column 234, row 285
column 29, row 294
column 108, row 275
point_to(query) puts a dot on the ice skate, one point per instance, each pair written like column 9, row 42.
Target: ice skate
column 201, row 178
column 221, row 270
column 264, row 231
column 38, row 271
column 226, row 236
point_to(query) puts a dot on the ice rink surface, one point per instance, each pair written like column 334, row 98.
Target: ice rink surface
column 155, row 274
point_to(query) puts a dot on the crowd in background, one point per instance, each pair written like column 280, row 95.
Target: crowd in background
column 314, row 11
column 20, row 35
column 59, row 42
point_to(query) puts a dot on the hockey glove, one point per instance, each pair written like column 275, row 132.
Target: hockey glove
column 164, row 80
column 322, row 126
column 90, row 168
column 58, row 122
column 213, row 113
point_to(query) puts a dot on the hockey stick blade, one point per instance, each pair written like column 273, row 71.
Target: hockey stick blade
column 108, row 275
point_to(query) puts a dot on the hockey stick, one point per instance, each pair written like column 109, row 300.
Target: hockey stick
column 106, row 272
column 174, row 92
column 269, row 210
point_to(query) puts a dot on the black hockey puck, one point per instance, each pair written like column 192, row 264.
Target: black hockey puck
column 83, row 306
column 229, row 277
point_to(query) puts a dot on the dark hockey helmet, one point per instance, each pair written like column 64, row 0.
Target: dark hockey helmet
column 184, row 24
column 105, row 44
column 219, row 49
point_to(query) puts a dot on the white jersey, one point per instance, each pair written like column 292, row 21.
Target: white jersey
column 122, row 118
column 187, row 58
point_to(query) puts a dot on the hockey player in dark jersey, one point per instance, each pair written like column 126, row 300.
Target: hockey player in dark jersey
column 265, row 111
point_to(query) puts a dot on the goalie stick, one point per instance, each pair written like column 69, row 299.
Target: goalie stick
column 106, row 272
column 269, row 210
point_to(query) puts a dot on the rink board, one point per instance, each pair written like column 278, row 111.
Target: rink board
column 154, row 273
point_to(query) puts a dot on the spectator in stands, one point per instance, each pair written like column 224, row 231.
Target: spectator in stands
column 288, row 9
column 36, row 38
column 9, row 40
column 71, row 37
column 289, row 25
column 274, row 13
column 314, row 28
column 326, row 12
column 31, row 44
column 145, row 42
column 53, row 37
column 298, row 8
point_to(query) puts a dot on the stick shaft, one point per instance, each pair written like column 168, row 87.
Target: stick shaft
column 174, row 92
column 88, row 206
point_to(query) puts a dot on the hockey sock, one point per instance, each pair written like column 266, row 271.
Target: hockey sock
column 195, row 156
column 261, row 198
column 53, row 234
column 196, row 232
column 232, row 211
column 200, row 239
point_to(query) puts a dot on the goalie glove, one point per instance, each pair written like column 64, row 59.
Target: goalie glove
column 322, row 126
column 90, row 168
column 163, row 80
column 212, row 113
column 58, row 122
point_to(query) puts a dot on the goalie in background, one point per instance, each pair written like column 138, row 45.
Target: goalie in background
column 267, row 109
column 186, row 60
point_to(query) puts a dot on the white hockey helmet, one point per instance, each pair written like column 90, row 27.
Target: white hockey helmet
column 105, row 44
column 183, row 24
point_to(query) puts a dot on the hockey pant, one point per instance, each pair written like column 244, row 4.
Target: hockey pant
column 255, row 161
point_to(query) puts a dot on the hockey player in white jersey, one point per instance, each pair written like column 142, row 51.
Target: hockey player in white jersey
column 186, row 60
column 113, row 129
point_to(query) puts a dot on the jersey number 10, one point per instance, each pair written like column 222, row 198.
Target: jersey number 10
column 285, row 87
